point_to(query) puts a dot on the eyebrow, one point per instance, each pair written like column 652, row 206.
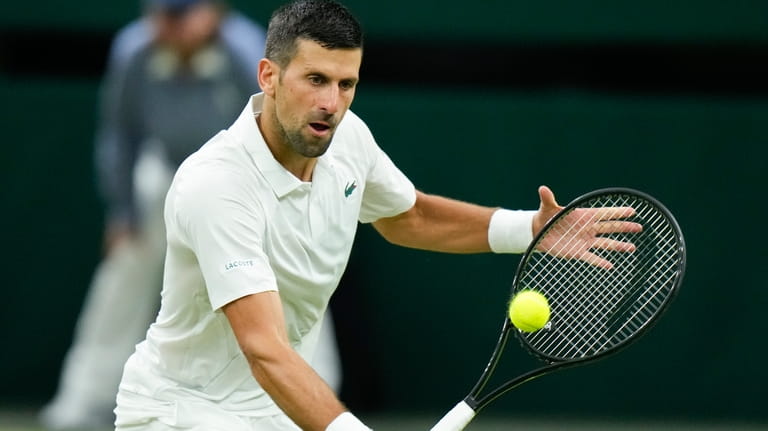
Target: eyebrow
column 325, row 76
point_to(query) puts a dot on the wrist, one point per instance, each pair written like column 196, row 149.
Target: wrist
column 346, row 422
column 510, row 231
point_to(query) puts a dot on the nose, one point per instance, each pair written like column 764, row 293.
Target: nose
column 328, row 100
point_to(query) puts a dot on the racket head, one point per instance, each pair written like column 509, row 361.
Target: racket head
column 596, row 311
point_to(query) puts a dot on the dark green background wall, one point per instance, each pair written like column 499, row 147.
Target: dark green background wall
column 433, row 318
column 546, row 20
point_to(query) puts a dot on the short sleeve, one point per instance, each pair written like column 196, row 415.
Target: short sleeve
column 225, row 230
column 388, row 192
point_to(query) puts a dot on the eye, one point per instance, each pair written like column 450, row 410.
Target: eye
column 315, row 80
column 347, row 84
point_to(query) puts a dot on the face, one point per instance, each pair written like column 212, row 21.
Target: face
column 311, row 95
column 186, row 31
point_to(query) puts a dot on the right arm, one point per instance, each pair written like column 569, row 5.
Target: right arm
column 258, row 324
column 117, row 140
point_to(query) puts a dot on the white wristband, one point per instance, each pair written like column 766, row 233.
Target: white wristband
column 346, row 422
column 510, row 231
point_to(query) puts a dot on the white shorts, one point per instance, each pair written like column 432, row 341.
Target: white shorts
column 268, row 423
column 135, row 413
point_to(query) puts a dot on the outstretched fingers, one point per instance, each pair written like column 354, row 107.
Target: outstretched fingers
column 613, row 213
column 593, row 259
column 617, row 226
column 613, row 245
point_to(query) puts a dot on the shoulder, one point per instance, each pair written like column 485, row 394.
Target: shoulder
column 244, row 37
column 214, row 191
column 220, row 160
column 237, row 24
column 215, row 173
column 130, row 41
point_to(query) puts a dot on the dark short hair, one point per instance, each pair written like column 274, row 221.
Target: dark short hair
column 326, row 22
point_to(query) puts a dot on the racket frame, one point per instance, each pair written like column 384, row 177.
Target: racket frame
column 477, row 403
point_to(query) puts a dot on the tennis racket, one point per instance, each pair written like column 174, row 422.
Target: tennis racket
column 609, row 264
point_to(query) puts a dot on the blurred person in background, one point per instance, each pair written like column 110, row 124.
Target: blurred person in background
column 175, row 77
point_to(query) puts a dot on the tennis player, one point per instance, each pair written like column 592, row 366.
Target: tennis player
column 260, row 223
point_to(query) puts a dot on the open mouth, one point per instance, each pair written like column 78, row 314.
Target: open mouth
column 319, row 127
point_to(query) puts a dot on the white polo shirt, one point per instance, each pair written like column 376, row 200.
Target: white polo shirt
column 239, row 223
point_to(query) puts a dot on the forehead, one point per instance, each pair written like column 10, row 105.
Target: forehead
column 311, row 57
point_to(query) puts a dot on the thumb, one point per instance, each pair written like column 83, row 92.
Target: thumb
column 547, row 210
column 548, row 202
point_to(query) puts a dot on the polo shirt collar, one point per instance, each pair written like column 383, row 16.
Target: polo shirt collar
column 247, row 131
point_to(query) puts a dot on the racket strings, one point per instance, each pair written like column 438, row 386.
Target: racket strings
column 660, row 277
column 593, row 308
column 598, row 318
column 609, row 300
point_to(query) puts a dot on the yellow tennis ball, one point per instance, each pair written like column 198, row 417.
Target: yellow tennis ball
column 529, row 311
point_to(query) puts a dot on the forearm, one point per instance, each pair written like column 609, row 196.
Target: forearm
column 258, row 323
column 116, row 159
column 294, row 386
column 441, row 224
column 117, row 142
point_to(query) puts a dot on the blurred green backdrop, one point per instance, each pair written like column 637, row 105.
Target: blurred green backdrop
column 663, row 20
column 432, row 319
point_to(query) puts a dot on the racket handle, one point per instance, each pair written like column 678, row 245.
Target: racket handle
column 456, row 419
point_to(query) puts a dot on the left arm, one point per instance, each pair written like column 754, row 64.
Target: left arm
column 439, row 224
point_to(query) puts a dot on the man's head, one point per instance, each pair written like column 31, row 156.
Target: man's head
column 328, row 23
column 309, row 76
column 184, row 26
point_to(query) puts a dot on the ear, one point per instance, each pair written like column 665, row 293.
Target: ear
column 268, row 74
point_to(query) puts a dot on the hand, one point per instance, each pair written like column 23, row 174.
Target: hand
column 547, row 209
column 582, row 230
column 116, row 234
